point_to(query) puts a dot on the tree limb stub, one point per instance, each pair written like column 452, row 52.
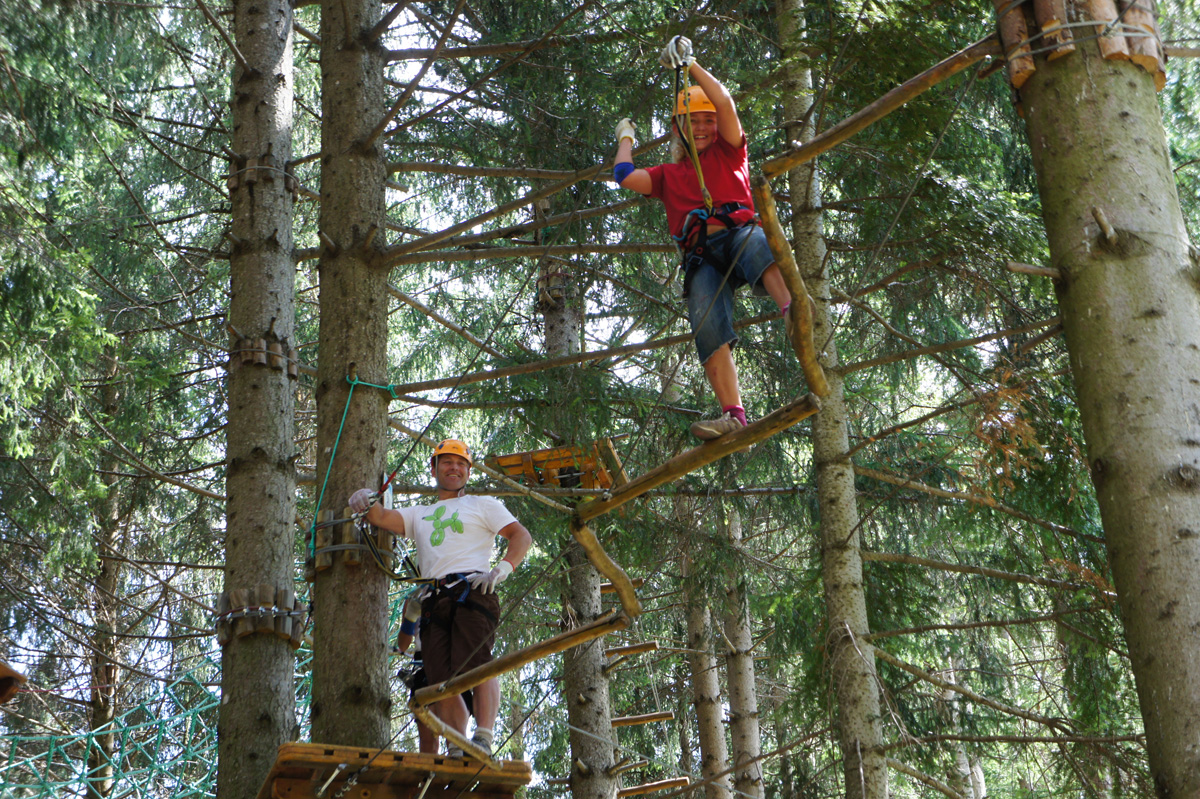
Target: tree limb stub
column 706, row 453
column 897, row 97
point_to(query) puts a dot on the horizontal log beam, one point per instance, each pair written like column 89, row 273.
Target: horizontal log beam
column 651, row 787
column 897, row 97
column 645, row 718
column 632, row 649
column 702, row 455
column 602, row 626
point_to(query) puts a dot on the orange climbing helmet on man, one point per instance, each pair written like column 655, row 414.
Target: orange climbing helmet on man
column 451, row 446
column 691, row 100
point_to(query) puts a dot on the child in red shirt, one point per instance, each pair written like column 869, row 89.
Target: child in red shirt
column 723, row 249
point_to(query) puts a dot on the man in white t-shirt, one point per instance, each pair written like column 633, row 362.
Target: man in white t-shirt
column 454, row 538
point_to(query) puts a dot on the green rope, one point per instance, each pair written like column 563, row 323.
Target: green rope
column 312, row 532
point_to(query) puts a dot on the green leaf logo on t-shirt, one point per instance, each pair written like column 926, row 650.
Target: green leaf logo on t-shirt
column 440, row 525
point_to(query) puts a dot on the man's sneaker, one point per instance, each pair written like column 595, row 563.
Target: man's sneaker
column 454, row 751
column 485, row 745
column 709, row 429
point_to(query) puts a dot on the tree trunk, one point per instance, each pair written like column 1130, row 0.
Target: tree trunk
column 351, row 695
column 257, row 711
column 589, row 705
column 745, row 741
column 585, row 686
column 105, row 677
column 851, row 664
column 706, row 683
column 1130, row 299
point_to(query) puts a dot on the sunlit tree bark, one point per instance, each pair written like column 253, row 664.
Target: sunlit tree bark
column 258, row 700
column 1130, row 298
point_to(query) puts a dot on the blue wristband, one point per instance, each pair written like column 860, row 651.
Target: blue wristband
column 408, row 627
column 622, row 171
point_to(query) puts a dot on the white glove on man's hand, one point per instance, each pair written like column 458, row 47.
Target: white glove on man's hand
column 362, row 500
column 486, row 582
column 626, row 130
column 677, row 53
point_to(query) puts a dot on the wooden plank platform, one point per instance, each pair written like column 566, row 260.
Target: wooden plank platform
column 11, row 681
column 598, row 466
column 303, row 769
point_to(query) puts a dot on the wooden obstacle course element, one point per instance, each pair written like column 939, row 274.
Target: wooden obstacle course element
column 644, row 718
column 609, row 588
column 865, row 117
column 631, row 649
column 11, row 681
column 301, row 769
column 1144, row 40
column 261, row 610
column 1112, row 44
column 694, row 458
column 624, row 653
column 261, row 352
column 339, row 538
column 651, row 787
column 550, row 466
column 607, row 567
column 1051, row 16
column 608, row 623
column 1014, row 34
column 800, row 310
column 347, row 537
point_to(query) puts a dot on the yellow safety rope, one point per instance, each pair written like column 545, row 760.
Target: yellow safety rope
column 690, row 144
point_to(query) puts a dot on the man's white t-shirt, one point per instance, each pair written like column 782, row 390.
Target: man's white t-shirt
column 455, row 536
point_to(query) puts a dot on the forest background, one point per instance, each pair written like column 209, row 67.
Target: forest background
column 1003, row 668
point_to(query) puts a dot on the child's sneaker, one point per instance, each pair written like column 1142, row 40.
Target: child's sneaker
column 709, row 429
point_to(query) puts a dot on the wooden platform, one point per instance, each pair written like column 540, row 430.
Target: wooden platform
column 598, row 466
column 11, row 681
column 301, row 770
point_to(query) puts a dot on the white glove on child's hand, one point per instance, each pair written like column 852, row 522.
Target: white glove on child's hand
column 362, row 500
column 486, row 582
column 677, row 53
column 626, row 130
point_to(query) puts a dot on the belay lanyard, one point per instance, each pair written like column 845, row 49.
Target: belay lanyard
column 689, row 144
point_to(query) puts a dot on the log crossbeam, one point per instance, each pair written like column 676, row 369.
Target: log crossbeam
column 609, row 623
column 694, row 458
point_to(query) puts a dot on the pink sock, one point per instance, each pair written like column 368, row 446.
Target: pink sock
column 737, row 412
column 783, row 311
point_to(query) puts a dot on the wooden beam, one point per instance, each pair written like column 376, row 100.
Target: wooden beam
column 609, row 588
column 513, row 660
column 897, row 97
column 651, row 787
column 800, row 310
column 645, row 718
column 608, row 567
column 632, row 649
column 706, row 453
